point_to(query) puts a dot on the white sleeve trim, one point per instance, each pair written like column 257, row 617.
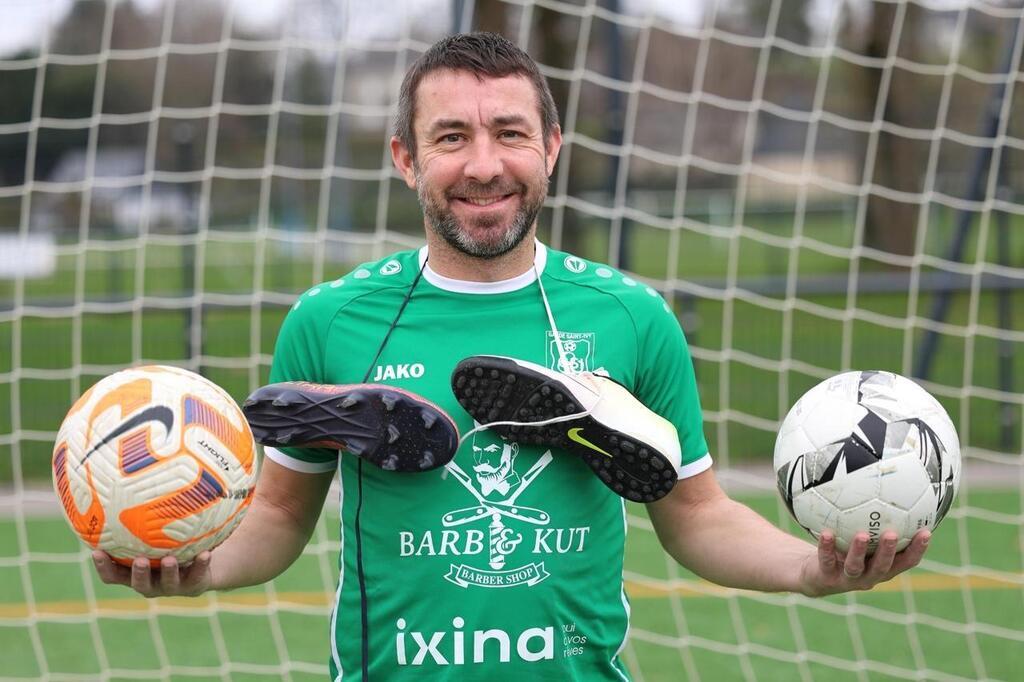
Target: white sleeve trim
column 694, row 468
column 298, row 464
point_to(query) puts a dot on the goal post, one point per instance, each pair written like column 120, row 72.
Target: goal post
column 814, row 186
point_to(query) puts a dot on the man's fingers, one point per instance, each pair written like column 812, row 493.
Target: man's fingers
column 827, row 554
column 197, row 575
column 110, row 572
column 170, row 577
column 853, row 567
column 142, row 576
column 911, row 556
column 167, row 579
column 881, row 562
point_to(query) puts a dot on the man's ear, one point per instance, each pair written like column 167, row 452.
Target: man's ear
column 551, row 149
column 402, row 158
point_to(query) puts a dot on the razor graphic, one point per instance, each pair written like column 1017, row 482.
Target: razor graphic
column 501, row 540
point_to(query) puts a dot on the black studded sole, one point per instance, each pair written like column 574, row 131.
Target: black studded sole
column 494, row 389
column 393, row 429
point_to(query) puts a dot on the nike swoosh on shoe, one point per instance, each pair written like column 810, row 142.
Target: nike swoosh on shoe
column 632, row 450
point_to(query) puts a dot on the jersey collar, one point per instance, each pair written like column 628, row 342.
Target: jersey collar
column 540, row 259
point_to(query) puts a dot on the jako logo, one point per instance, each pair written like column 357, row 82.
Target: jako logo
column 533, row 644
column 404, row 371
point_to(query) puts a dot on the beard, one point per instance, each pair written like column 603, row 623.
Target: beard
column 444, row 222
column 500, row 478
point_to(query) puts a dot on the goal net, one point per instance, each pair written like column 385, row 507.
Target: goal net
column 813, row 185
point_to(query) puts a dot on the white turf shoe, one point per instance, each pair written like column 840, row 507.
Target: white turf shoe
column 633, row 450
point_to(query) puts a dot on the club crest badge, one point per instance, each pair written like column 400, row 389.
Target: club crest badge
column 579, row 352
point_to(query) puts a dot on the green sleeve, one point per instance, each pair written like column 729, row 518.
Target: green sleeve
column 665, row 379
column 299, row 356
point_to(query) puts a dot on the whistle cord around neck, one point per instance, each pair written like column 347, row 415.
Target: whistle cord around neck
column 364, row 610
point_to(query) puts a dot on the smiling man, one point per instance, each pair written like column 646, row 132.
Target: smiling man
column 514, row 573
column 482, row 196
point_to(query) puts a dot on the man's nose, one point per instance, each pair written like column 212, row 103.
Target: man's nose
column 484, row 163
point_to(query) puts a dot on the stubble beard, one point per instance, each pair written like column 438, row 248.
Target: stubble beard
column 444, row 222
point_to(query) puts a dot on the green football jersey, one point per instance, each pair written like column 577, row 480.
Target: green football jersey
column 507, row 563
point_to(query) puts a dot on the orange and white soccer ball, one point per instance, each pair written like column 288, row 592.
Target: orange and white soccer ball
column 154, row 461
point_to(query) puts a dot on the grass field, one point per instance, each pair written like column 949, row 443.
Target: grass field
column 958, row 617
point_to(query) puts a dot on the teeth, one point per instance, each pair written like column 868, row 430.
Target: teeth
column 482, row 202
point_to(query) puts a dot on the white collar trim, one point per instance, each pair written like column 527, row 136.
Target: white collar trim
column 504, row 286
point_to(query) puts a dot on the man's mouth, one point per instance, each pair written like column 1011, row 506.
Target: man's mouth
column 484, row 201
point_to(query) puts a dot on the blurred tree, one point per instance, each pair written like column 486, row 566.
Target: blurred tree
column 81, row 30
column 879, row 30
column 790, row 21
column 16, row 108
column 71, row 92
column 555, row 47
column 899, row 163
column 490, row 15
column 133, row 28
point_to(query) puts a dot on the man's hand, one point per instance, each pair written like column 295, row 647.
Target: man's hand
column 168, row 581
column 831, row 572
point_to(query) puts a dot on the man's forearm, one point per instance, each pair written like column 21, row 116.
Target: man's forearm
column 736, row 547
column 263, row 546
column 279, row 523
column 729, row 544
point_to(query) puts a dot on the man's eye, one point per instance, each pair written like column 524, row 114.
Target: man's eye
column 451, row 137
column 511, row 134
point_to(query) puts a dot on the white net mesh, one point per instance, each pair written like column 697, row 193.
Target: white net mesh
column 814, row 185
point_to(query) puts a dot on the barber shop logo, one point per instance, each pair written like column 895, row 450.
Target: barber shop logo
column 499, row 542
column 495, row 485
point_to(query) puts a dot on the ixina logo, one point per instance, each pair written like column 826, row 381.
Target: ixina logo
column 579, row 351
column 494, row 529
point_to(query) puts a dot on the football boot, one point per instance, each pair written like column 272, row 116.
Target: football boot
column 634, row 451
column 395, row 429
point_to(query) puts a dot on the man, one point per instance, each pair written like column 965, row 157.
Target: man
column 494, row 465
column 441, row 579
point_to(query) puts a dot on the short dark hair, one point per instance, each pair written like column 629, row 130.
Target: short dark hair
column 485, row 55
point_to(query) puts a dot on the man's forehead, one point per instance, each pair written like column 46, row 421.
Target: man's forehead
column 447, row 96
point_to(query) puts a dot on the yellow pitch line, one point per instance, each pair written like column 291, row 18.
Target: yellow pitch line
column 78, row 607
column 918, row 583
column 636, row 590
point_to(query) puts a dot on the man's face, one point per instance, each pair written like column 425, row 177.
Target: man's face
column 481, row 168
column 493, row 465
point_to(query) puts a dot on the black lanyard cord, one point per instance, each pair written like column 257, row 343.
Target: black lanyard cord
column 364, row 611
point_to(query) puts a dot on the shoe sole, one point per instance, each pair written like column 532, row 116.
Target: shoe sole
column 394, row 429
column 496, row 389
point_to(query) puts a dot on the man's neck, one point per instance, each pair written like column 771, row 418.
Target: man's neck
column 449, row 262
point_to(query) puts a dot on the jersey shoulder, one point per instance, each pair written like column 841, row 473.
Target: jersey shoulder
column 395, row 271
column 601, row 280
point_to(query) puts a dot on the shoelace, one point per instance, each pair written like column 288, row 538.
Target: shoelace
column 564, row 362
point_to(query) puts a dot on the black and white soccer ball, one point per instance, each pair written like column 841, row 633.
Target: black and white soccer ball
column 867, row 451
